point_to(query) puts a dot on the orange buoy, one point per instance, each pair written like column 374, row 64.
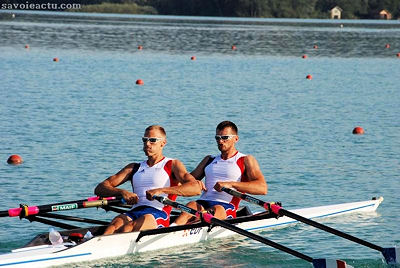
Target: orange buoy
column 56, row 59
column 139, row 82
column 140, row 47
column 309, row 76
column 398, row 55
column 358, row 131
column 387, row 46
column 315, row 47
column 14, row 159
column 234, row 47
column 26, row 46
column 193, row 58
column 304, row 56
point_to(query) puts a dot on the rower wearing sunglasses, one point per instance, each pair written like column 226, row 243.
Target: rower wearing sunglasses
column 158, row 175
column 230, row 169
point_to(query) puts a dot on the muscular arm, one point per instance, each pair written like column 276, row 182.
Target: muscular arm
column 253, row 183
column 198, row 172
column 109, row 186
column 188, row 185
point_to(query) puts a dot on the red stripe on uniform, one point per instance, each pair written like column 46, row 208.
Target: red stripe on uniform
column 172, row 182
column 240, row 163
column 236, row 200
column 168, row 168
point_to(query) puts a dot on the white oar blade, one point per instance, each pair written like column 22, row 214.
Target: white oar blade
column 327, row 263
column 392, row 255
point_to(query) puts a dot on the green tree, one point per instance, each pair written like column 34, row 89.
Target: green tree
column 252, row 8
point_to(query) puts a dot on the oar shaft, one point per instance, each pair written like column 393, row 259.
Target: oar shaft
column 246, row 197
column 283, row 212
column 177, row 205
column 25, row 211
column 212, row 220
column 260, row 239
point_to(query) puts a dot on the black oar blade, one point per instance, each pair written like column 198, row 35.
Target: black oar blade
column 392, row 255
column 329, row 263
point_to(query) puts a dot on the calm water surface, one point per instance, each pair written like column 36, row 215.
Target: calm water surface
column 79, row 120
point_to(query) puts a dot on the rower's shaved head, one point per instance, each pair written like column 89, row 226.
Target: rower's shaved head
column 156, row 127
column 225, row 124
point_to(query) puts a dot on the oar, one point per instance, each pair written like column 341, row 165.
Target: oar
column 24, row 210
column 210, row 219
column 391, row 255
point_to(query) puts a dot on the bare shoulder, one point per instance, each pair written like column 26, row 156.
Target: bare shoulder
column 117, row 179
column 178, row 167
column 124, row 171
column 204, row 162
column 250, row 158
column 251, row 162
column 198, row 172
column 177, row 163
column 129, row 167
column 206, row 158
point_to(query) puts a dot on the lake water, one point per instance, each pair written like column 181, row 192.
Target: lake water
column 77, row 121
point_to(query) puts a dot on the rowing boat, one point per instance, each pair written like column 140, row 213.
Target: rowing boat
column 40, row 253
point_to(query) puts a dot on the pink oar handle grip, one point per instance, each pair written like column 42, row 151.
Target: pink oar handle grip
column 14, row 212
column 95, row 198
column 206, row 216
column 275, row 208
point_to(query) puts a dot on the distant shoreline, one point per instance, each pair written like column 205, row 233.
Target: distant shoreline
column 210, row 8
column 126, row 8
column 109, row 9
column 133, row 8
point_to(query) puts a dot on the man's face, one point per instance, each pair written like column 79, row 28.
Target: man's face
column 226, row 139
column 153, row 147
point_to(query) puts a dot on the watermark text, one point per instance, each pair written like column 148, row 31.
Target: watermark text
column 42, row 6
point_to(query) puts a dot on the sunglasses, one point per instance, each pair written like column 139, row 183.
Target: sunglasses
column 224, row 137
column 151, row 140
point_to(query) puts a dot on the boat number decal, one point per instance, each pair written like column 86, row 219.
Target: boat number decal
column 253, row 200
column 193, row 231
column 64, row 207
column 185, row 209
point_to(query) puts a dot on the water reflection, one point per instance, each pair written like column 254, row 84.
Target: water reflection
column 201, row 35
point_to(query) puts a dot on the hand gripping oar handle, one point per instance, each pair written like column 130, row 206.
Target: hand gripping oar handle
column 248, row 198
column 209, row 218
column 177, row 205
column 25, row 210
column 392, row 255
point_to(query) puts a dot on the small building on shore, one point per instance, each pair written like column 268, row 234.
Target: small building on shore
column 336, row 13
column 385, row 15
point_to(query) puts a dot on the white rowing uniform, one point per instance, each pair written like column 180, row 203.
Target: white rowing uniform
column 223, row 170
column 147, row 178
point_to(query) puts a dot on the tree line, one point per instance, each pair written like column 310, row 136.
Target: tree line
column 352, row 9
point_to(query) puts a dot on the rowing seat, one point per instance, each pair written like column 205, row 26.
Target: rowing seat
column 243, row 211
column 76, row 237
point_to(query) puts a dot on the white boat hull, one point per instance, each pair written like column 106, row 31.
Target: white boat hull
column 126, row 243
